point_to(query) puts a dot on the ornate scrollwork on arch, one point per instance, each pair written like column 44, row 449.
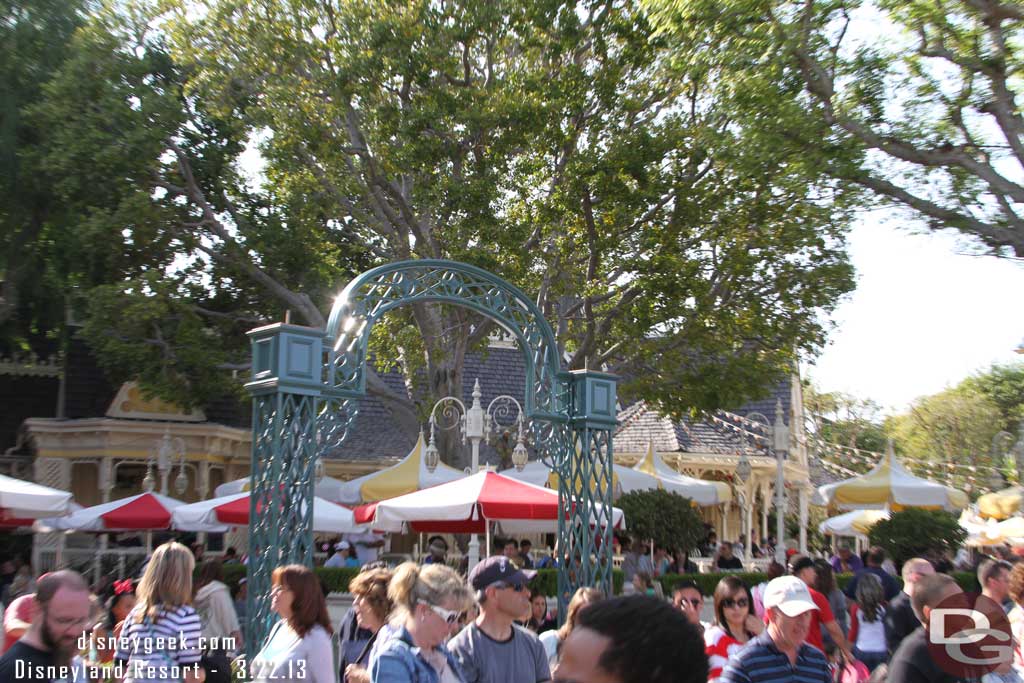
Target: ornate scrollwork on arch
column 382, row 289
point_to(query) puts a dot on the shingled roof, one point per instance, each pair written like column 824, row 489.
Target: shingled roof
column 376, row 436
column 640, row 425
column 501, row 371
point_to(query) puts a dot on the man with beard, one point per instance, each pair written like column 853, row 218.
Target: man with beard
column 48, row 649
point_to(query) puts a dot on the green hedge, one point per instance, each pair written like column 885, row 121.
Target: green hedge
column 337, row 579
column 546, row 581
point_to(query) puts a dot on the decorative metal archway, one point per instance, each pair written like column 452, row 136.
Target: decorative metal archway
column 306, row 387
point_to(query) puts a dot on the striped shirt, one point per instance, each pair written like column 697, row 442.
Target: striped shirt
column 161, row 649
column 719, row 646
column 761, row 662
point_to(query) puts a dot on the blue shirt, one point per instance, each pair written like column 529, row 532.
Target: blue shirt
column 400, row 661
column 761, row 662
column 890, row 587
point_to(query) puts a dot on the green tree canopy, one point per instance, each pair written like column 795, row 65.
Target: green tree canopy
column 918, row 99
column 1004, row 386
column 555, row 144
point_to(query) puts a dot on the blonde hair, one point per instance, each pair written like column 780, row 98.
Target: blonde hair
column 167, row 582
column 432, row 584
column 583, row 596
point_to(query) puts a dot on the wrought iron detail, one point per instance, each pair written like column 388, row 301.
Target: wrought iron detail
column 280, row 502
column 307, row 385
column 377, row 291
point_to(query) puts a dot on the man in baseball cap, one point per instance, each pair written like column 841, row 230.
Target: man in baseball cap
column 494, row 647
column 780, row 655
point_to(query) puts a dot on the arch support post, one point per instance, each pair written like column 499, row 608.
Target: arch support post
column 287, row 362
column 585, row 486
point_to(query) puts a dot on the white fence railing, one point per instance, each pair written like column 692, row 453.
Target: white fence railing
column 95, row 563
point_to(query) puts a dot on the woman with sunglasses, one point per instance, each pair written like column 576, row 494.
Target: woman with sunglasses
column 427, row 601
column 735, row 624
column 299, row 645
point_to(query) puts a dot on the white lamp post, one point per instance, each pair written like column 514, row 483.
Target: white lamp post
column 778, row 435
column 477, row 425
column 164, row 453
column 743, row 471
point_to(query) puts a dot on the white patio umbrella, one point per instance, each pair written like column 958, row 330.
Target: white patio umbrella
column 856, row 523
column 327, row 488
column 24, row 499
column 234, row 510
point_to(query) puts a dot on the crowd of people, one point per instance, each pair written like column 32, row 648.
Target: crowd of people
column 431, row 623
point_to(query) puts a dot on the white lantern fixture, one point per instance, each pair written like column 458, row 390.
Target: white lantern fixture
column 743, row 469
column 519, row 454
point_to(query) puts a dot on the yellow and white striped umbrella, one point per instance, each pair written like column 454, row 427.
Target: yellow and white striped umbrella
column 1001, row 504
column 889, row 484
column 650, row 473
column 411, row 474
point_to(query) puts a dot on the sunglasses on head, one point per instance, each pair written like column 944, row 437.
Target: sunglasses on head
column 449, row 615
column 738, row 602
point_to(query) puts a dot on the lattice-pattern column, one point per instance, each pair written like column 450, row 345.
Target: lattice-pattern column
column 803, row 498
column 585, row 487
column 287, row 371
column 766, row 502
column 55, row 473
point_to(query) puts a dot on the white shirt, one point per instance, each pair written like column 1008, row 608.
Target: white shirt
column 365, row 553
column 871, row 634
column 287, row 658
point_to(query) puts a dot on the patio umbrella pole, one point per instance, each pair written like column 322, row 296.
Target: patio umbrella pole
column 149, row 542
column 487, row 540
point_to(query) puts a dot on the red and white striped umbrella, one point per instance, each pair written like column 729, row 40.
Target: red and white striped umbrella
column 234, row 510
column 466, row 505
column 142, row 512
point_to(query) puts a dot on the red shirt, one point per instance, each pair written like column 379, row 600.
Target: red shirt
column 822, row 615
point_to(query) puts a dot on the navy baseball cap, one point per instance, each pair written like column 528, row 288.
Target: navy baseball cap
column 498, row 569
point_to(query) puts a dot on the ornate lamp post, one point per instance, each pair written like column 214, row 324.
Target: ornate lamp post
column 743, row 471
column 477, row 425
column 778, row 435
column 164, row 453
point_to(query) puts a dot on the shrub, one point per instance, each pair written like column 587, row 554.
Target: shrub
column 667, row 518
column 917, row 533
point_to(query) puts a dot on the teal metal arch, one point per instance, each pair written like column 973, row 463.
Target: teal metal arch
column 306, row 388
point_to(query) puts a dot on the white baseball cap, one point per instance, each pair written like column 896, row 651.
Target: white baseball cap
column 790, row 595
column 342, row 545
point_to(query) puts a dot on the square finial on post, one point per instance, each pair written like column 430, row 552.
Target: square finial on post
column 594, row 398
column 287, row 358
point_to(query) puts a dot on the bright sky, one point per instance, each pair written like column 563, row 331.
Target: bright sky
column 926, row 314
